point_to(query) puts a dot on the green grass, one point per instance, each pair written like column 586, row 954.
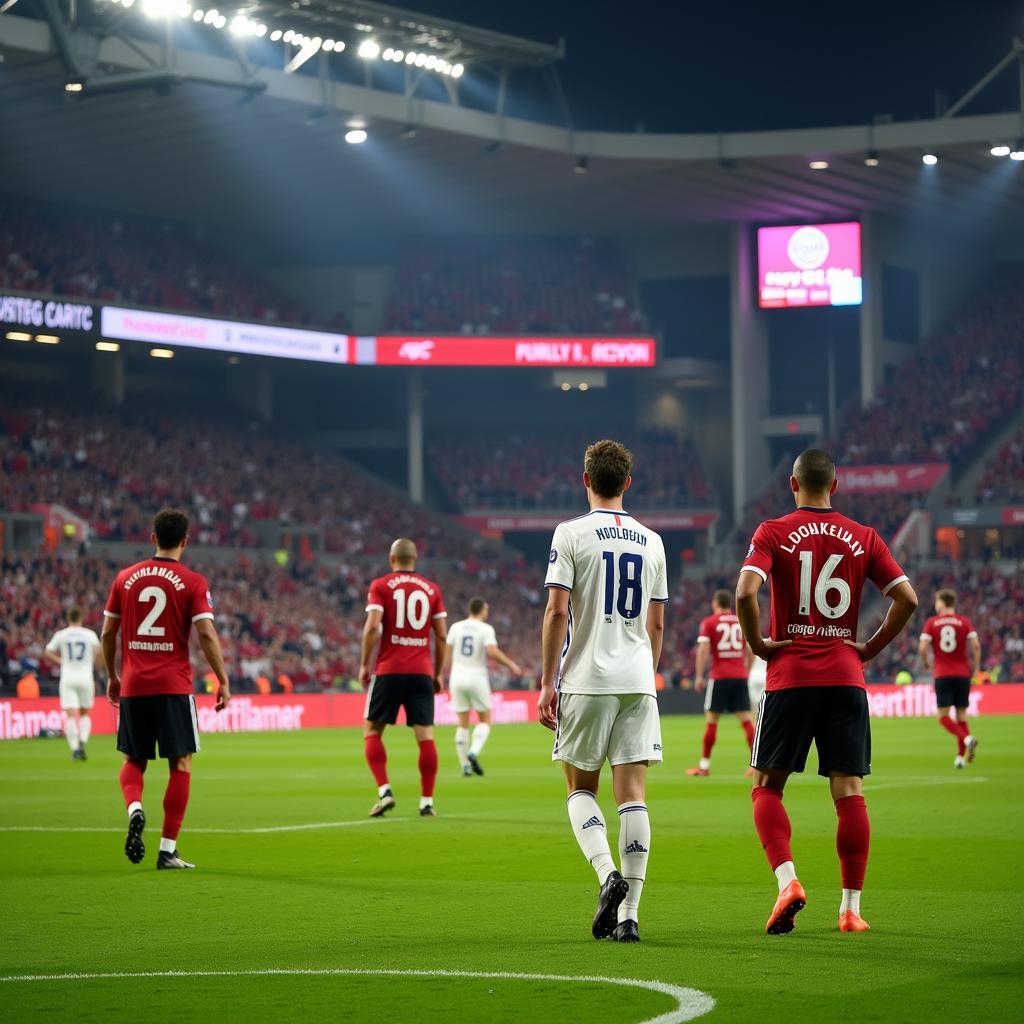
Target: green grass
column 496, row 883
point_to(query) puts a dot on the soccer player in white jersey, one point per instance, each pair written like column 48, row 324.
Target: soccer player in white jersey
column 469, row 644
column 603, row 630
column 76, row 649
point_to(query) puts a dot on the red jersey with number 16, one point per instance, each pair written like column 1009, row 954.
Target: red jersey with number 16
column 409, row 603
column 157, row 601
column 818, row 560
column 728, row 648
column 948, row 635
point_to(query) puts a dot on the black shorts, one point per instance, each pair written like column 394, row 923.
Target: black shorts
column 952, row 691
column 388, row 693
column 834, row 717
column 169, row 719
column 726, row 695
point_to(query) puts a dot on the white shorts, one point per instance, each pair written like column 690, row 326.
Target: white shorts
column 756, row 687
column 470, row 695
column 620, row 728
column 77, row 696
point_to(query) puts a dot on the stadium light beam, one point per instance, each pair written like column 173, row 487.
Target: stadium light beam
column 929, row 159
column 1000, row 150
column 369, row 49
column 818, row 165
column 356, row 136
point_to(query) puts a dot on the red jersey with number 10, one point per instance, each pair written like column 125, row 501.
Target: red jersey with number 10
column 728, row 648
column 948, row 634
column 818, row 560
column 157, row 601
column 409, row 604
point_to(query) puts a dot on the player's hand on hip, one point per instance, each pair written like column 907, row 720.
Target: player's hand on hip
column 547, row 706
column 767, row 648
column 114, row 690
column 223, row 696
column 364, row 676
column 862, row 650
column 438, row 684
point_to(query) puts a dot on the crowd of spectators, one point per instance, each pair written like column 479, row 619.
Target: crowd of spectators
column 1003, row 480
column 505, row 286
column 959, row 384
column 543, row 470
column 68, row 252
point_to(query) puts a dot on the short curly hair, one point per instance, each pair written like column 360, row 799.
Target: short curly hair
column 608, row 464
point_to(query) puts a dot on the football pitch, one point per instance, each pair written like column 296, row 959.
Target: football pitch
column 301, row 908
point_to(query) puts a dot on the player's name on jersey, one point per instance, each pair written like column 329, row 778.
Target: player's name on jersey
column 155, row 570
column 621, row 533
column 150, row 645
column 397, row 581
column 409, row 641
column 806, row 530
column 804, row 629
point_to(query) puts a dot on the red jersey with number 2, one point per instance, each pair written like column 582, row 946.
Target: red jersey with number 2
column 157, row 601
column 949, row 635
column 728, row 648
column 409, row 604
column 818, row 561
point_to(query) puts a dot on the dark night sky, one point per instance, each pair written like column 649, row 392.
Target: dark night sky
column 745, row 65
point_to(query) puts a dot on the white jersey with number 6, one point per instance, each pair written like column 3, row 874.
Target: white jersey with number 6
column 613, row 567
column 469, row 640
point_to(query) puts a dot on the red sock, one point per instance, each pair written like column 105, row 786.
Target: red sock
column 963, row 729
column 853, row 837
column 376, row 757
column 175, row 802
column 748, row 728
column 428, row 767
column 949, row 725
column 772, row 824
column 710, row 735
column 131, row 781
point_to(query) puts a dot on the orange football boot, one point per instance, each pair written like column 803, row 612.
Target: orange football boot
column 791, row 901
column 851, row 922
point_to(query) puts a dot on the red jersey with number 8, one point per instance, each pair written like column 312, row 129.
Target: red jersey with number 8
column 728, row 648
column 157, row 601
column 948, row 635
column 818, row 561
column 409, row 604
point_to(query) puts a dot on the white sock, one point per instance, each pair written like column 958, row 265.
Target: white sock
column 462, row 745
column 426, row 801
column 71, row 732
column 851, row 901
column 589, row 828
column 382, row 790
column 480, row 734
column 168, row 845
column 133, row 807
column 634, row 849
column 84, row 729
column 785, row 873
column 968, row 739
column 705, row 763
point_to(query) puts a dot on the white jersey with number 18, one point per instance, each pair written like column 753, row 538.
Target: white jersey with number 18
column 613, row 567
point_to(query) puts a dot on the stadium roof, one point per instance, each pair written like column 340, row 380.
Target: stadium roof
column 279, row 158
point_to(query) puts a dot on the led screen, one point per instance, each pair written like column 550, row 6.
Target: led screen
column 809, row 265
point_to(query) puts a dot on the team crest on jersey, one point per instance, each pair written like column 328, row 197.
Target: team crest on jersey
column 553, row 556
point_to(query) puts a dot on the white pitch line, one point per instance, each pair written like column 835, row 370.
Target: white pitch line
column 209, row 831
column 691, row 1003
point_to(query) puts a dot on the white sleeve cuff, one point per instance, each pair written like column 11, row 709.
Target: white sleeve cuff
column 760, row 572
column 899, row 579
column 441, row 615
column 111, row 615
column 972, row 635
column 202, row 615
column 926, row 636
column 703, row 639
column 375, row 607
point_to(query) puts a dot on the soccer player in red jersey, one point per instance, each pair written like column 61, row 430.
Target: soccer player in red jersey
column 818, row 561
column 721, row 641
column 154, row 605
column 950, row 647
column 403, row 609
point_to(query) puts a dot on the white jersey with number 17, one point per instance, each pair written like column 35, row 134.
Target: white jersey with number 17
column 613, row 567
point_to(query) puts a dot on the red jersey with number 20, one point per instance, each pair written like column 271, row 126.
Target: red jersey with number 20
column 948, row 635
column 728, row 648
column 157, row 601
column 409, row 604
column 818, row 560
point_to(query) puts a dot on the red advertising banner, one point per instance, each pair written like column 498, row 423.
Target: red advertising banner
column 544, row 522
column 1013, row 516
column 917, row 700
column 466, row 350
column 249, row 713
column 904, row 478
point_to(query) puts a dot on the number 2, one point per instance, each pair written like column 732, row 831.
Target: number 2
column 148, row 625
column 825, row 582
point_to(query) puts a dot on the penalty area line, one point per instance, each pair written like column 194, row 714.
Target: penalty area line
column 211, row 831
column 691, row 1003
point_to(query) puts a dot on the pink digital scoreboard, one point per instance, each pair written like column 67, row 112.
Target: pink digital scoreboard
column 809, row 265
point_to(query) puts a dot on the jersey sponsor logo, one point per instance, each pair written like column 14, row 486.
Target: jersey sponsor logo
column 552, row 556
column 416, row 351
column 595, row 821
